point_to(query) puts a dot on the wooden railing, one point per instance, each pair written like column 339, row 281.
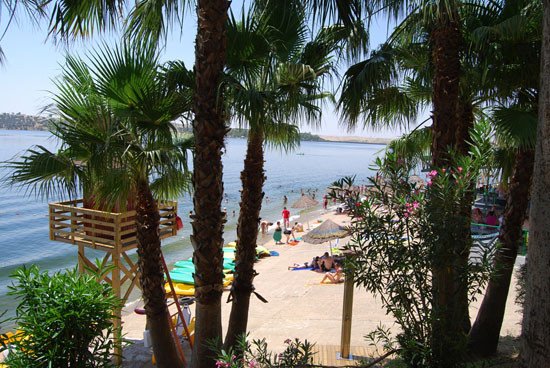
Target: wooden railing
column 71, row 223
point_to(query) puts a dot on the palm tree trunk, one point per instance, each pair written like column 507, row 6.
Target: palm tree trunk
column 152, row 278
column 535, row 339
column 247, row 234
column 486, row 329
column 209, row 129
column 446, row 44
column 466, row 114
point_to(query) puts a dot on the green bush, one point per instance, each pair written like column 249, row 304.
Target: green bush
column 64, row 320
column 256, row 355
column 400, row 233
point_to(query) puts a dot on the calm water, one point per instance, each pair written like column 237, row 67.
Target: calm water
column 24, row 218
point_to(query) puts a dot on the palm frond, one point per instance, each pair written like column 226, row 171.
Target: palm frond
column 152, row 20
column 73, row 19
column 172, row 184
column 281, row 135
column 44, row 174
column 516, row 127
column 414, row 147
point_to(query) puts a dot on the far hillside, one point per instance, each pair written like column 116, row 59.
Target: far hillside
column 19, row 121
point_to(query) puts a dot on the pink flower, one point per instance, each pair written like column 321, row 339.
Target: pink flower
column 459, row 169
column 221, row 364
column 415, row 204
column 429, row 183
column 443, row 170
column 406, row 214
column 432, row 174
column 253, row 364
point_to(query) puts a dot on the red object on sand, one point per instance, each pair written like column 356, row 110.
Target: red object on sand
column 179, row 223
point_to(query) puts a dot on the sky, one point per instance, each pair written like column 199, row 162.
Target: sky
column 32, row 61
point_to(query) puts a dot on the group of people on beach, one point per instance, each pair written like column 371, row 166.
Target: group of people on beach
column 331, row 266
column 287, row 231
column 285, row 228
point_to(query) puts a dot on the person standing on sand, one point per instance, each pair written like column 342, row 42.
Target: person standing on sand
column 289, row 233
column 325, row 202
column 286, row 217
column 285, row 199
column 278, row 233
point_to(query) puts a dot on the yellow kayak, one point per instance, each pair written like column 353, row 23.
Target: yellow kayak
column 189, row 290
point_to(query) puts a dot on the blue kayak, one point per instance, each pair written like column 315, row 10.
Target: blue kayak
column 228, row 264
column 182, row 277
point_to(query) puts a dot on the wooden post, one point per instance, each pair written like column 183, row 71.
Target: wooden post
column 115, row 279
column 81, row 257
column 346, row 317
column 175, row 223
column 52, row 225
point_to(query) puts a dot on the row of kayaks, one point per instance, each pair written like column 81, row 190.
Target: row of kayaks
column 182, row 273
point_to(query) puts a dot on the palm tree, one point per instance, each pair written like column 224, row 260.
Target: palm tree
column 504, row 29
column 149, row 20
column 209, row 130
column 535, row 340
column 118, row 143
column 370, row 91
column 272, row 83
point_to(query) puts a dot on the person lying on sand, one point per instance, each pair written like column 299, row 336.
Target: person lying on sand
column 297, row 266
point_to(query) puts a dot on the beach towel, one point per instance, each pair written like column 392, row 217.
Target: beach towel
column 293, row 243
column 273, row 253
column 302, row 269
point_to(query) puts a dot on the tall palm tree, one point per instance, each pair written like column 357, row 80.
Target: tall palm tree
column 118, row 146
column 535, row 340
column 356, row 103
column 209, row 130
column 393, row 85
column 272, row 84
column 149, row 20
column 505, row 28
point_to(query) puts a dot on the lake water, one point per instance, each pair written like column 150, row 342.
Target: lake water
column 24, row 217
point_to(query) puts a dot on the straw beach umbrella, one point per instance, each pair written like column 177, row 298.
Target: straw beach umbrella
column 327, row 231
column 304, row 203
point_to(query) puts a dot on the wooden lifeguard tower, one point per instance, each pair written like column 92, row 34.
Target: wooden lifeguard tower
column 113, row 233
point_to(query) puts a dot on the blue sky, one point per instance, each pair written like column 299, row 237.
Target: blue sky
column 32, row 62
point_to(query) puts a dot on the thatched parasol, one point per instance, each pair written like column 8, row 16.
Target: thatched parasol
column 305, row 202
column 327, row 231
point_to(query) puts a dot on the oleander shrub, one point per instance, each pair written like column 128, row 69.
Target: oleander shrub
column 63, row 320
column 400, row 233
column 256, row 354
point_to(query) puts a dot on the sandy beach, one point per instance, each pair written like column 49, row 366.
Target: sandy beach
column 299, row 306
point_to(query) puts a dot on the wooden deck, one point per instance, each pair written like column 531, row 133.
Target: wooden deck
column 328, row 355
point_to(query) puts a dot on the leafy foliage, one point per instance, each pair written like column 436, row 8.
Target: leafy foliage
column 256, row 355
column 398, row 233
column 63, row 320
column 114, row 116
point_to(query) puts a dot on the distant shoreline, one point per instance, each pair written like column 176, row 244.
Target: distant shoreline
column 323, row 138
column 355, row 139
